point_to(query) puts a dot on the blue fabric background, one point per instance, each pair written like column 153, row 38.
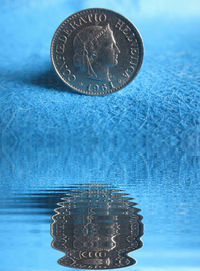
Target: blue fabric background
column 157, row 115
column 161, row 104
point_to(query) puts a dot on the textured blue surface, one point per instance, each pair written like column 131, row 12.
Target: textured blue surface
column 145, row 137
column 162, row 102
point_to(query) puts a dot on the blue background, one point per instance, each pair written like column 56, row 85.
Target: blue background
column 144, row 138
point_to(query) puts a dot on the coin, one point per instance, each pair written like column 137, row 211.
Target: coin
column 97, row 51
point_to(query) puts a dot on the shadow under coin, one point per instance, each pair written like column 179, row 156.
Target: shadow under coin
column 50, row 80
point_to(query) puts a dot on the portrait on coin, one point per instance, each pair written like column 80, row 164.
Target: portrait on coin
column 95, row 51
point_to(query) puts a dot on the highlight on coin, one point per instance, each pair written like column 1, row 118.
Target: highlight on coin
column 97, row 51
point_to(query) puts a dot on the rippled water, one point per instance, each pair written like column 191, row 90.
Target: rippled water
column 166, row 190
column 96, row 227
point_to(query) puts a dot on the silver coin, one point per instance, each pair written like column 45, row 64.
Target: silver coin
column 97, row 51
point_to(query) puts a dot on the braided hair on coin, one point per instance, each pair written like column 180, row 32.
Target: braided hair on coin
column 86, row 45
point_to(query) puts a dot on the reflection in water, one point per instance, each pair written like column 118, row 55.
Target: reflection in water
column 96, row 227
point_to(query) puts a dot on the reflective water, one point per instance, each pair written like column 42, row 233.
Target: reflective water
column 95, row 188
column 96, row 227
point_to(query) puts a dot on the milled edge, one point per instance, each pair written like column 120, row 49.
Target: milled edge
column 90, row 10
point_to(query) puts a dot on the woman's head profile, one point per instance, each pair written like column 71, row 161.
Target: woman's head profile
column 95, row 51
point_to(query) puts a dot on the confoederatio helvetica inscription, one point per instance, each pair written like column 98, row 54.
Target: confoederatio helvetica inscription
column 97, row 51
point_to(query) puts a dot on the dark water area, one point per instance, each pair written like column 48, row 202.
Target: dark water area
column 96, row 227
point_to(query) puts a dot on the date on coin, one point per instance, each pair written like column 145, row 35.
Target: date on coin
column 97, row 51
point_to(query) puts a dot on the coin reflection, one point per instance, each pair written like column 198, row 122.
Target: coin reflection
column 96, row 227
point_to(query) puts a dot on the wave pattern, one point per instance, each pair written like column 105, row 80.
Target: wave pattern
column 96, row 227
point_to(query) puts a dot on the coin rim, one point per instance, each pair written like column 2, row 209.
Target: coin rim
column 141, row 49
